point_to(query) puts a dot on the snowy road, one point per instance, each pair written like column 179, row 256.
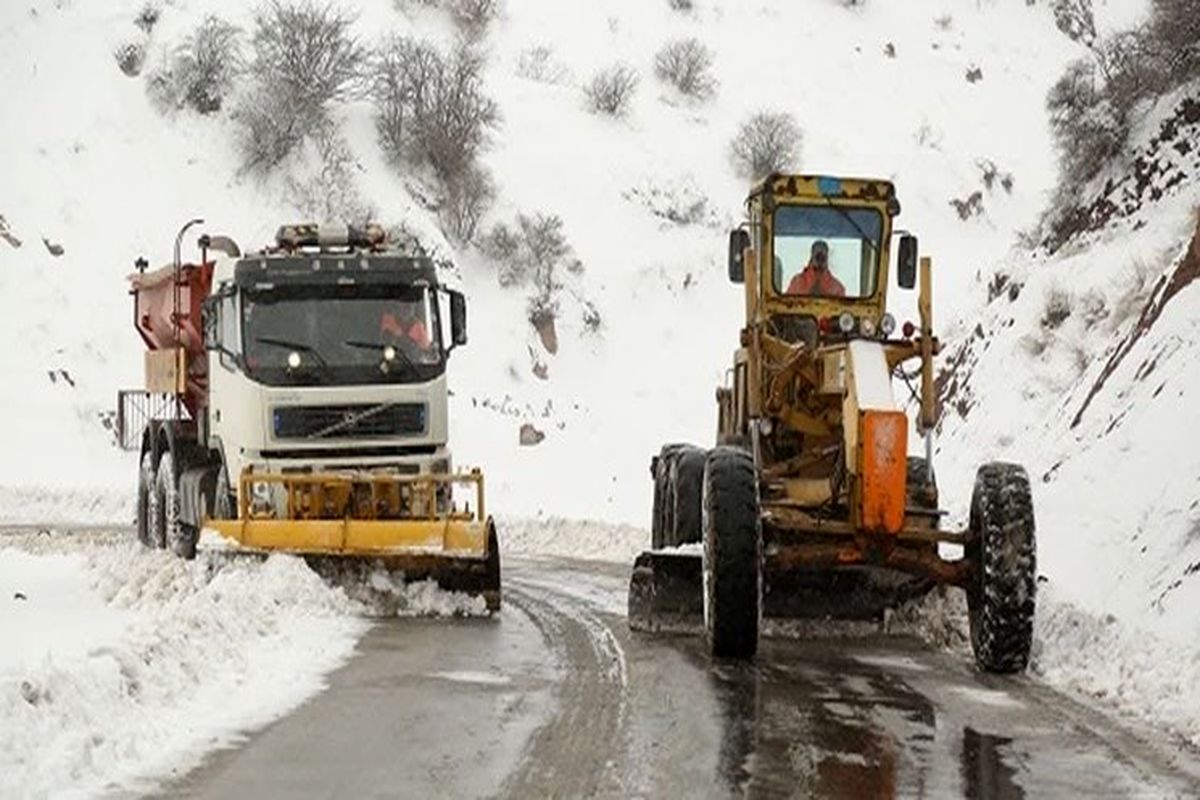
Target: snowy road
column 557, row 697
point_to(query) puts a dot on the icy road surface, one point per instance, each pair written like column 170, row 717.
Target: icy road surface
column 556, row 697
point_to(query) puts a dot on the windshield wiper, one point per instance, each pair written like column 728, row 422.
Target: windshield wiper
column 380, row 346
column 304, row 348
column 851, row 220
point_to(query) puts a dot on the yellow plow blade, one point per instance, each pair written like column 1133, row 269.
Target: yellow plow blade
column 328, row 521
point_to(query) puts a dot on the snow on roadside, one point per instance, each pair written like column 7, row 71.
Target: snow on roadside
column 564, row 538
column 120, row 665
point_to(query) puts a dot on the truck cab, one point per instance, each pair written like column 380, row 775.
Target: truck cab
column 328, row 352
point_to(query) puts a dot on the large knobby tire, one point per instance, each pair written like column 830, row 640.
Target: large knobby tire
column 687, row 491
column 1003, row 582
column 145, row 495
column 732, row 554
column 660, row 514
column 171, row 530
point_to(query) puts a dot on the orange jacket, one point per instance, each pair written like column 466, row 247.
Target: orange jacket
column 814, row 281
column 415, row 332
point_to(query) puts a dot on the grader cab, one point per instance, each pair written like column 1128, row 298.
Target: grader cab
column 810, row 505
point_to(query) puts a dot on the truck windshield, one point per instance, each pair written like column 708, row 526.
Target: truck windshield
column 341, row 335
column 828, row 251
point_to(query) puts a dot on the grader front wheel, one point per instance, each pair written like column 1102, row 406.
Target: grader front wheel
column 1003, row 581
column 732, row 554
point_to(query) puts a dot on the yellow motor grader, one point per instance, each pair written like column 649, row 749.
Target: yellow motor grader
column 810, row 505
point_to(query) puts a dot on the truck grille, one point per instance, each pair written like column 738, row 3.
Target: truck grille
column 358, row 421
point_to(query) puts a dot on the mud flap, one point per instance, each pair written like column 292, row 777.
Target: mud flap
column 666, row 593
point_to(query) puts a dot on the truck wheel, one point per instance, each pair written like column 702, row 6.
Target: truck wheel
column 224, row 500
column 180, row 537
column 145, row 500
column 732, row 554
column 660, row 515
column 687, row 481
column 1003, row 579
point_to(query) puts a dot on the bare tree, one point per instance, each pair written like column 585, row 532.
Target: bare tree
column 766, row 142
column 611, row 90
column 687, row 64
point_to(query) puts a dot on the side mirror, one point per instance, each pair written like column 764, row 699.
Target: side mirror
column 739, row 241
column 906, row 262
column 458, row 318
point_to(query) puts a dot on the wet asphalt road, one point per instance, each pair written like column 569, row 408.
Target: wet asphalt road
column 557, row 698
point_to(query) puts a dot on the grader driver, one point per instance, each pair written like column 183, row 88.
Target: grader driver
column 810, row 505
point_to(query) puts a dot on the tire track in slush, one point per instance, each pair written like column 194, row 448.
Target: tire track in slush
column 581, row 750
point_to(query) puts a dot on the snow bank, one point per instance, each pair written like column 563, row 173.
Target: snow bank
column 120, row 664
column 554, row 536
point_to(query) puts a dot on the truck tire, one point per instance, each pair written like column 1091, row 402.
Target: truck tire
column 687, row 490
column 1003, row 579
column 224, row 499
column 172, row 531
column 145, row 499
column 732, row 554
column 660, row 514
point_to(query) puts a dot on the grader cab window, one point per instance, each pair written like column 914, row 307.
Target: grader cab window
column 826, row 251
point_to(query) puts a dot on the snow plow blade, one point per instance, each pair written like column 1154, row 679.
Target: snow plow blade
column 460, row 557
column 666, row 592
column 410, row 538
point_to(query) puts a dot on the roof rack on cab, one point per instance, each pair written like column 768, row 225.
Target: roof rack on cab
column 290, row 238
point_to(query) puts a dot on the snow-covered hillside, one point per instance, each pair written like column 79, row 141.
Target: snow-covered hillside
column 1082, row 364
column 878, row 89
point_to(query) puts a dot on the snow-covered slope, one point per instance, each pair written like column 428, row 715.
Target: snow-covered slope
column 102, row 173
column 1082, row 364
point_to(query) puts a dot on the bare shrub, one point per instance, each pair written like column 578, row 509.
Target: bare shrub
column 1075, row 19
column 306, row 59
column 681, row 5
column 130, row 58
column 611, row 90
column 687, row 64
column 1174, row 27
column 1057, row 310
column 537, row 63
column 473, row 16
column 468, row 198
column 148, row 17
column 534, row 253
column 1087, row 128
column 767, row 142
column 201, row 72
column 430, row 108
column 306, row 53
column 267, row 130
column 970, row 206
column 531, row 252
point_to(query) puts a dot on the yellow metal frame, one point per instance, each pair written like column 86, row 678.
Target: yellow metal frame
column 365, row 514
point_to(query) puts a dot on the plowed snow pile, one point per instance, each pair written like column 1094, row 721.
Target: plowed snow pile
column 119, row 664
